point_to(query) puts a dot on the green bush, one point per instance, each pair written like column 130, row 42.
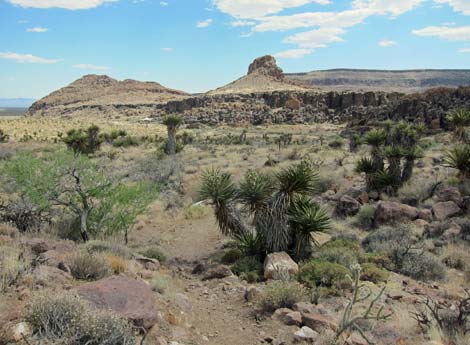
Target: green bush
column 153, row 252
column 114, row 248
column 423, row 266
column 159, row 283
column 126, row 141
column 13, row 262
column 89, row 266
column 325, row 274
column 281, row 294
column 83, row 141
column 248, row 268
column 340, row 255
column 231, row 256
column 365, row 217
column 67, row 316
column 372, row 273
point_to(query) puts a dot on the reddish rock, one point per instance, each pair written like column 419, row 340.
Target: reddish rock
column 318, row 322
column 51, row 276
column 266, row 65
column 304, row 308
column 449, row 194
column 425, row 215
column 394, row 212
column 347, row 206
column 129, row 298
column 444, row 210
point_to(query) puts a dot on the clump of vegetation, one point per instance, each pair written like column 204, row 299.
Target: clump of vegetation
column 153, row 252
column 13, row 262
column 194, row 212
column 117, row 264
column 325, row 274
column 86, row 266
column 460, row 119
column 117, row 249
column 67, row 316
column 459, row 158
column 3, row 136
column 373, row 273
column 284, row 215
column 159, row 283
column 99, row 203
column 248, row 268
column 83, row 141
column 336, row 143
column 231, row 256
column 281, row 294
column 398, row 146
column 365, row 217
column 405, row 256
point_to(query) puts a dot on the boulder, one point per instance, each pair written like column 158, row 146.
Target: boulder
column 425, row 214
column 318, row 322
column 306, row 334
column 445, row 210
column 129, row 298
column 217, row 272
column 347, row 206
column 393, row 212
column 276, row 265
column 304, row 307
column 449, row 194
column 51, row 276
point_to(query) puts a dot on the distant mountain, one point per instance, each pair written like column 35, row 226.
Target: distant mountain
column 407, row 81
column 103, row 95
column 16, row 102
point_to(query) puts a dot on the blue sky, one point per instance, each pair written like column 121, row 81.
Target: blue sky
column 197, row 45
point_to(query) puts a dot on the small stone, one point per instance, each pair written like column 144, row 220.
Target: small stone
column 306, row 334
column 251, row 293
column 317, row 322
column 20, row 331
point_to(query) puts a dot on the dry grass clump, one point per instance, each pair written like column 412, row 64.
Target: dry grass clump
column 13, row 262
column 8, row 230
column 118, row 265
column 282, row 294
column 114, row 248
column 67, row 316
column 159, row 283
column 86, row 266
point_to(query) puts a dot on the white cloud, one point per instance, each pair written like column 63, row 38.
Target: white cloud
column 243, row 23
column 387, row 7
column 66, row 4
column 91, row 67
column 464, row 50
column 204, row 23
column 387, row 43
column 457, row 5
column 259, row 8
column 163, row 3
column 294, row 53
column 461, row 33
column 168, row 50
column 37, row 29
column 27, row 58
column 317, row 38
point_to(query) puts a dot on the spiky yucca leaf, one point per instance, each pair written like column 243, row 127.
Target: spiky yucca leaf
column 252, row 244
column 256, row 190
column 172, row 121
column 307, row 218
column 217, row 186
column 365, row 165
column 393, row 152
column 386, row 180
column 300, row 178
column 459, row 117
column 459, row 158
column 375, row 137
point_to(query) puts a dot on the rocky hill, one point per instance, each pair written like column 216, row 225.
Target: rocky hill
column 263, row 76
column 103, row 95
column 375, row 80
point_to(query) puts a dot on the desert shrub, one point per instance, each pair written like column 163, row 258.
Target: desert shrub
column 23, row 214
column 194, row 212
column 325, row 274
column 248, row 267
column 456, row 260
column 86, row 266
column 372, row 273
column 459, row 158
column 281, row 294
column 159, row 283
column 423, row 266
column 325, row 182
column 67, row 316
column 341, row 255
column 365, row 217
column 8, row 230
column 126, row 141
column 336, row 143
column 13, row 262
column 117, row 249
column 231, row 256
column 153, row 252
column 83, row 141
column 379, row 259
column 118, row 265
column 3, row 136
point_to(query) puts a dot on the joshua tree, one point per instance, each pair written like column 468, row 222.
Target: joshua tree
column 366, row 165
column 460, row 119
column 172, row 123
column 411, row 155
column 282, row 214
column 376, row 138
column 83, row 141
column 3, row 136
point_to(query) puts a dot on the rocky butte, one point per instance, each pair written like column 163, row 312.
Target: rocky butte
column 267, row 95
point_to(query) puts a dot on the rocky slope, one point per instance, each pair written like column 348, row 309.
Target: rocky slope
column 103, row 95
column 375, row 80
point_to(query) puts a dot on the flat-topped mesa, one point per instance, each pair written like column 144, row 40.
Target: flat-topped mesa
column 266, row 65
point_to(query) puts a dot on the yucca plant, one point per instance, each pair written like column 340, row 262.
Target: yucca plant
column 306, row 219
column 376, row 138
column 459, row 158
column 366, row 166
column 255, row 192
column 172, row 122
column 386, row 181
column 218, row 187
column 460, row 119
column 394, row 155
column 411, row 155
